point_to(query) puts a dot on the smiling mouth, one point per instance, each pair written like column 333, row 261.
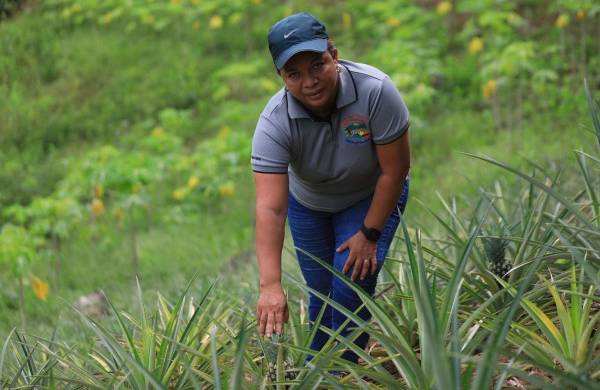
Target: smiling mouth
column 315, row 94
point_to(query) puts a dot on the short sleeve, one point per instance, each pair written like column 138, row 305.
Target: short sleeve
column 270, row 148
column 389, row 117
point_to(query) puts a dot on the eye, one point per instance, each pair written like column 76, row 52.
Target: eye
column 293, row 76
column 318, row 65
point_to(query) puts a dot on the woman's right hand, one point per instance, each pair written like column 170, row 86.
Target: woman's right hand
column 271, row 310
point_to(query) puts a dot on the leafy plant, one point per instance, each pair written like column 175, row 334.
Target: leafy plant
column 17, row 252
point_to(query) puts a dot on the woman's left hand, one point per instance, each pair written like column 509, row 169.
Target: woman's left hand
column 362, row 256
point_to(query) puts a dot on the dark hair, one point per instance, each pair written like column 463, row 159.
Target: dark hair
column 330, row 46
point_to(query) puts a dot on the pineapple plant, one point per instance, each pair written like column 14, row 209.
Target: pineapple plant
column 495, row 250
column 280, row 366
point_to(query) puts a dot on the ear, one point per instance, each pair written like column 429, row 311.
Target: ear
column 334, row 54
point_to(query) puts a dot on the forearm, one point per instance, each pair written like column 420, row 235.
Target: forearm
column 270, row 231
column 387, row 191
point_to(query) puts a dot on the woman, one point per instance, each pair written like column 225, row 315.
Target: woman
column 330, row 152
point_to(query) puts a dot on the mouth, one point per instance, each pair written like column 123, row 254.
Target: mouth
column 316, row 94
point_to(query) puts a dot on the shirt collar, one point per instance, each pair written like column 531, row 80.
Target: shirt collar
column 346, row 95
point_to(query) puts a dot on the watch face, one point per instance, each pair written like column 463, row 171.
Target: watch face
column 375, row 234
column 370, row 233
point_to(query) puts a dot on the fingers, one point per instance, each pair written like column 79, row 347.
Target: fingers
column 365, row 266
column 262, row 323
column 348, row 263
column 358, row 267
column 343, row 247
column 270, row 323
column 361, row 267
column 278, row 321
column 271, row 312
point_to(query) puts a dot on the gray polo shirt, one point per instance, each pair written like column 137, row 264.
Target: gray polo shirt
column 331, row 164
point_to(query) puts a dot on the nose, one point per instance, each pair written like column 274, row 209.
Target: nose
column 309, row 81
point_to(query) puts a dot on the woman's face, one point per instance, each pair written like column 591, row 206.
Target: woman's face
column 312, row 79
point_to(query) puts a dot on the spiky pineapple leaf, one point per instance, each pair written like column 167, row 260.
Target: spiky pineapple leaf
column 594, row 110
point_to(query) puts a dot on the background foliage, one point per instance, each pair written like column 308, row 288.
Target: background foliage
column 125, row 133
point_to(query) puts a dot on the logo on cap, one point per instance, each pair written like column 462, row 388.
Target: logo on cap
column 286, row 36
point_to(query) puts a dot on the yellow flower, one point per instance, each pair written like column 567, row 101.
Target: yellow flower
column 106, row 19
column 489, row 88
column 157, row 131
column 580, row 15
column 97, row 207
column 119, row 214
column 180, row 193
column 195, row 2
column 347, row 20
column 148, row 19
column 476, row 45
column 76, row 7
column 227, row 190
column 562, row 21
column 98, row 191
column 193, row 182
column 40, row 288
column 444, row 7
column 196, row 25
column 215, row 22
column 393, row 21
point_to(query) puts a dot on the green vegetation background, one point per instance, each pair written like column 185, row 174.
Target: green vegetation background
column 169, row 92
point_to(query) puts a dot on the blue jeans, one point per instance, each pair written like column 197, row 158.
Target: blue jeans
column 320, row 233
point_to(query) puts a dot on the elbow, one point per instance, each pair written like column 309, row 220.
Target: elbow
column 404, row 170
column 271, row 211
column 399, row 174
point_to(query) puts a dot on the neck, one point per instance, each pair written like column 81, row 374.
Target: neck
column 323, row 114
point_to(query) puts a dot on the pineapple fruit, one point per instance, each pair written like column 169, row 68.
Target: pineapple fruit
column 279, row 366
column 495, row 250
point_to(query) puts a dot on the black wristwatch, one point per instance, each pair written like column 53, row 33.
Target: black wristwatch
column 372, row 234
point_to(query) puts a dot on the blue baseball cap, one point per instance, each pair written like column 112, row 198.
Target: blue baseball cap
column 294, row 34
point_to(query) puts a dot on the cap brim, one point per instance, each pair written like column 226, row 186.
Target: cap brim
column 316, row 45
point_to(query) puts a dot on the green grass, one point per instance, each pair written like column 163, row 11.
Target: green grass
column 60, row 98
column 92, row 67
column 169, row 253
column 440, row 165
column 63, row 91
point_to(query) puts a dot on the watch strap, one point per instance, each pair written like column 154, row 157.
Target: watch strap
column 371, row 234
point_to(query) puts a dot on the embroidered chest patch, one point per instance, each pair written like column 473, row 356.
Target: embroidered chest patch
column 355, row 129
